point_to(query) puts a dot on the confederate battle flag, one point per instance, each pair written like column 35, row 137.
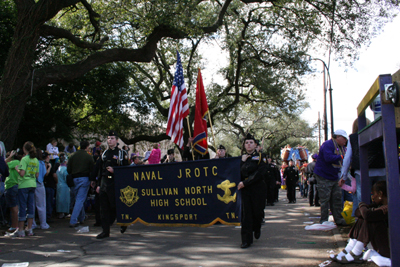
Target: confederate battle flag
column 200, row 121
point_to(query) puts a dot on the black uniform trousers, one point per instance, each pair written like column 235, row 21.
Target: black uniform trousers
column 276, row 193
column 107, row 207
column 97, row 208
column 271, row 185
column 313, row 194
column 253, row 202
column 291, row 191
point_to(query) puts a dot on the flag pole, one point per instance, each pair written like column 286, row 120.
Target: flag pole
column 212, row 131
column 190, row 135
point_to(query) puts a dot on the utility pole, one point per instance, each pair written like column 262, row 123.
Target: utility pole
column 325, row 113
column 319, row 130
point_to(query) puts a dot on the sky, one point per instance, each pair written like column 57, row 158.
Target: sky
column 349, row 85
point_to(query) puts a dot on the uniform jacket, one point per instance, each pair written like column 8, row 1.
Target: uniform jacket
column 109, row 158
column 291, row 174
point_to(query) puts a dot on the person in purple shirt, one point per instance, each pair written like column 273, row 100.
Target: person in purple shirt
column 326, row 171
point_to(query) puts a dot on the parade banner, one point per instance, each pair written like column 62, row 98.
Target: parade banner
column 192, row 193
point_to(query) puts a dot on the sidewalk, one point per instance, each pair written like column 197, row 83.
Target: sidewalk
column 283, row 242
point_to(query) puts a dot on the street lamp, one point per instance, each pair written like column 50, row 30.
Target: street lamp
column 329, row 84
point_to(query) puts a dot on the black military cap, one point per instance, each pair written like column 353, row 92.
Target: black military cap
column 249, row 136
column 221, row 147
column 171, row 151
column 113, row 133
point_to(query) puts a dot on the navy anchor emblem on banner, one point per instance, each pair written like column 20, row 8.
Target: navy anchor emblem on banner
column 191, row 193
column 227, row 197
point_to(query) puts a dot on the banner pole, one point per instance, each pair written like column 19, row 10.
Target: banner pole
column 190, row 135
column 212, row 131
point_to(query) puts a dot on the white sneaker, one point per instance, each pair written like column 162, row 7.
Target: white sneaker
column 11, row 230
column 45, row 227
column 17, row 234
column 29, row 232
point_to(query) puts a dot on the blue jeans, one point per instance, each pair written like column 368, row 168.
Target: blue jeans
column 81, row 189
column 26, row 200
column 12, row 196
column 49, row 202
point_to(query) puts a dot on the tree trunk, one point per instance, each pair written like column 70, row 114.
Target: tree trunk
column 15, row 86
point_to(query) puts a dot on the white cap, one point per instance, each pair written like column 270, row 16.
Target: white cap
column 341, row 133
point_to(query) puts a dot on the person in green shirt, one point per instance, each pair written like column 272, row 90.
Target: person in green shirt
column 11, row 186
column 28, row 173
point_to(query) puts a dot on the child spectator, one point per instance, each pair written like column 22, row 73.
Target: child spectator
column 371, row 226
column 28, row 173
column 11, row 189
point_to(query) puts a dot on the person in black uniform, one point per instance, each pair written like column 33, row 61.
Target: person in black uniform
column 272, row 177
column 278, row 181
column 111, row 157
column 170, row 157
column 252, row 186
column 291, row 176
column 221, row 153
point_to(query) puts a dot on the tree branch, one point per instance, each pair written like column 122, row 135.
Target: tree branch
column 92, row 16
column 153, row 139
column 57, row 33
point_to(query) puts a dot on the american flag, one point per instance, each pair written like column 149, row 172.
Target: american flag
column 178, row 107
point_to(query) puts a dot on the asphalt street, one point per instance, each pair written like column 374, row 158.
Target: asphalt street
column 284, row 242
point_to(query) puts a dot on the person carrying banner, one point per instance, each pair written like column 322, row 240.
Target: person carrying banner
column 252, row 186
column 111, row 157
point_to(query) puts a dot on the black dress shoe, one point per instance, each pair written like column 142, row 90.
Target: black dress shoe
column 245, row 245
column 102, row 235
column 74, row 225
column 123, row 229
column 257, row 234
